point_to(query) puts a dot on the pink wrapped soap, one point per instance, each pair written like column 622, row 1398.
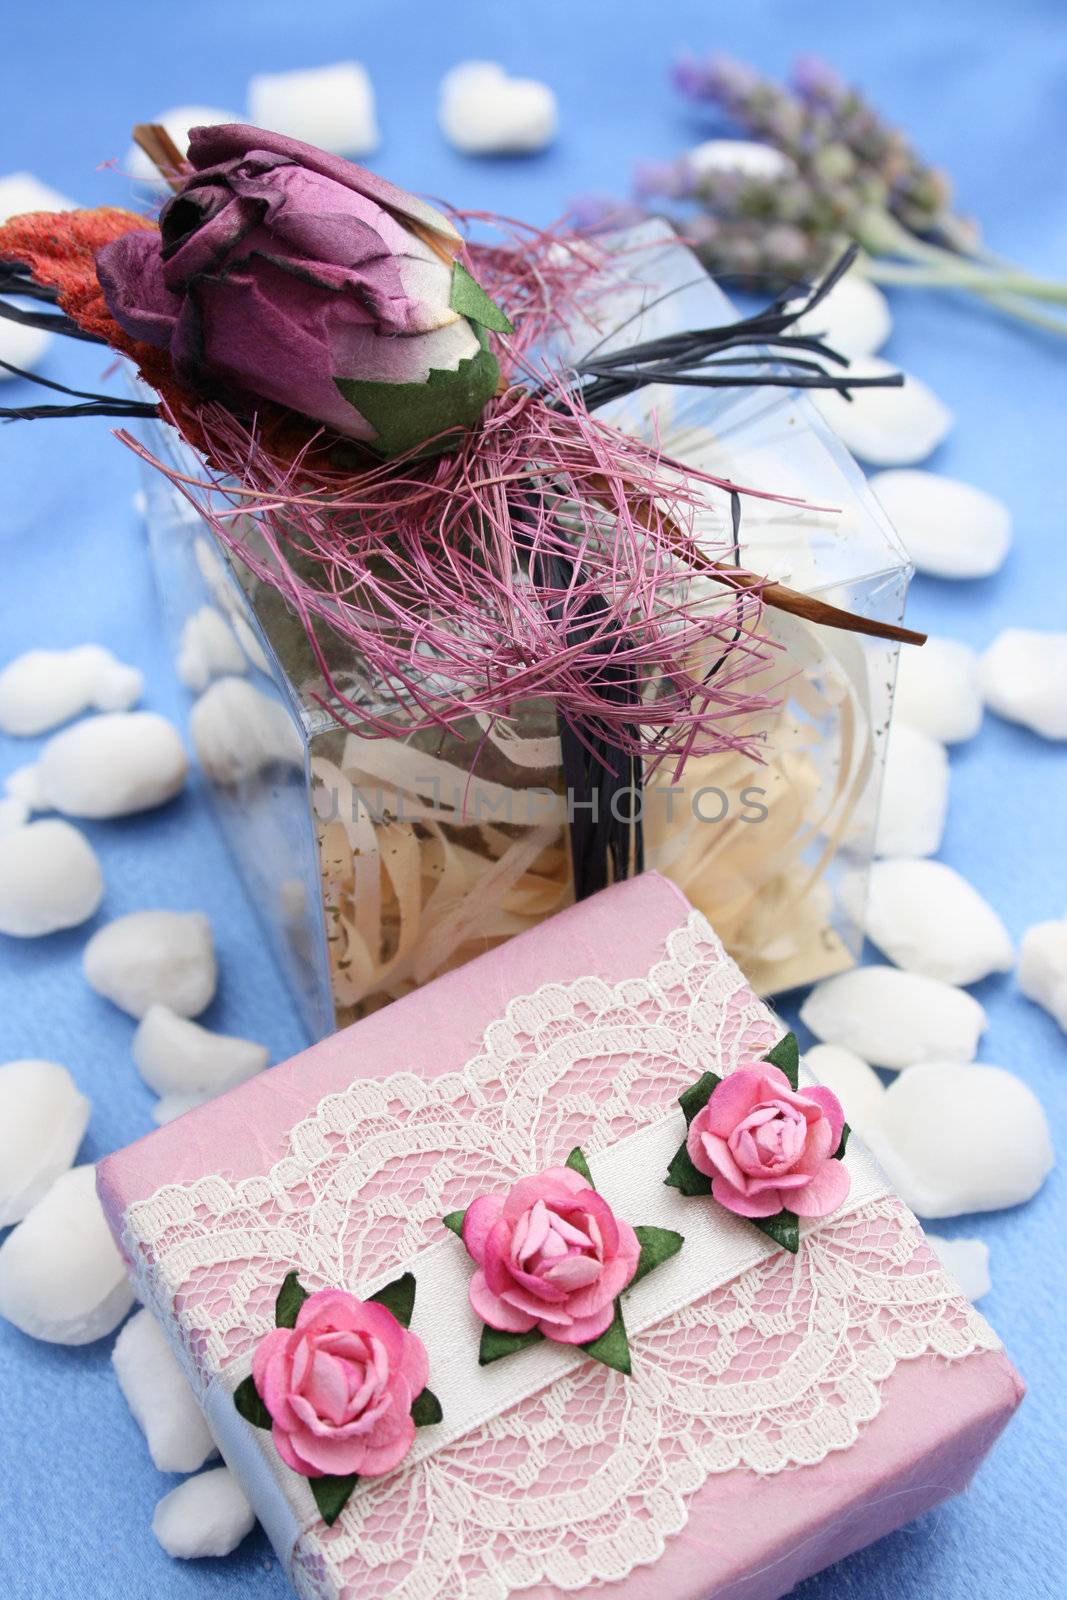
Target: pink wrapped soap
column 783, row 1407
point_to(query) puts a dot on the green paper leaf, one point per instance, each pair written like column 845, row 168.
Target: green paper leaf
column 470, row 300
column 291, row 1297
column 577, row 1163
column 840, row 1151
column 426, row 1409
column 697, row 1097
column 786, row 1056
column 612, row 1347
column 783, row 1228
column 454, row 1220
column 495, row 1343
column 657, row 1246
column 399, row 1298
column 331, row 1494
column 683, row 1175
column 246, row 1399
column 404, row 415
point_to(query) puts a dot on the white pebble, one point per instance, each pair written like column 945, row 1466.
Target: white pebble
column 938, row 690
column 153, row 958
column 894, row 1019
column 1043, row 967
column 926, row 918
column 747, row 156
column 1024, row 678
column 106, row 766
column 61, row 1276
column 42, row 688
column 858, row 1088
column 954, row 1138
column 21, row 346
column 966, row 1260
column 332, row 107
column 852, row 319
column 13, row 813
column 249, row 642
column 158, row 1393
column 177, row 1057
column 171, row 1106
column 485, row 112
column 237, row 731
column 914, row 802
column 21, row 192
column 207, row 1515
column 886, row 427
column 177, row 121
column 50, row 879
column 207, row 649
column 42, row 1122
column 949, row 529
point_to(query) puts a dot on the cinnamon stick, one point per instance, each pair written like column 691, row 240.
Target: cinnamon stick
column 161, row 150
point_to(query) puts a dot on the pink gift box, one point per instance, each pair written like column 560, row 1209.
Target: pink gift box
column 782, row 1413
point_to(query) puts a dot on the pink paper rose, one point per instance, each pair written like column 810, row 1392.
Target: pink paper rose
column 551, row 1255
column 766, row 1146
column 339, row 1386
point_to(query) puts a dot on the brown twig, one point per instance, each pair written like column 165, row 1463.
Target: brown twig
column 161, row 150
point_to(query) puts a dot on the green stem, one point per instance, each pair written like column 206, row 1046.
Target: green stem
column 882, row 235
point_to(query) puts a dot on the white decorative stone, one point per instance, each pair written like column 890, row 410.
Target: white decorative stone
column 177, row 121
column 894, row 1019
column 42, row 1122
column 926, row 918
column 949, row 529
column 886, row 427
column 107, row 766
column 22, row 347
column 61, row 1276
column 158, row 1393
column 858, row 1088
column 21, row 192
column 938, row 690
column 852, row 319
column 747, row 156
column 151, row 958
column 237, row 731
column 50, row 879
column 42, row 688
column 249, row 642
column 1043, row 967
column 1024, row 678
column 331, row 107
column 207, row 1515
column 966, row 1260
column 914, row 802
column 171, row 1106
column 955, row 1138
column 13, row 813
column 208, row 649
column 483, row 111
column 177, row 1057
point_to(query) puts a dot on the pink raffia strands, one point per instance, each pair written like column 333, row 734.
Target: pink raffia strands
column 423, row 566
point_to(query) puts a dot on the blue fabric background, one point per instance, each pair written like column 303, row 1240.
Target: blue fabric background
column 982, row 86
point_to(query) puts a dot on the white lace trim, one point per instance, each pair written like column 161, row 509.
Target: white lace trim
column 585, row 1480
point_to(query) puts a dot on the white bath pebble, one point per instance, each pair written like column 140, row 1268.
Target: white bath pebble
column 1024, row 678
column 858, row 1088
column 966, row 1260
column 21, row 192
column 237, row 731
column 747, row 156
column 926, row 918
column 955, row 1137
column 205, row 1516
column 22, row 347
column 938, row 690
column 151, row 958
column 208, row 649
column 894, row 1019
column 914, row 801
column 158, row 1393
column 331, row 107
column 886, row 427
column 13, row 813
column 249, row 642
column 107, row 766
column 852, row 319
column 42, row 1122
column 42, row 688
column 176, row 1056
column 171, row 1106
column 483, row 111
column 61, row 1276
column 177, row 121
column 1043, row 967
column 50, row 879
column 949, row 529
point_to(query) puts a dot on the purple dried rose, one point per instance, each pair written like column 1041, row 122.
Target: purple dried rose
column 282, row 273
